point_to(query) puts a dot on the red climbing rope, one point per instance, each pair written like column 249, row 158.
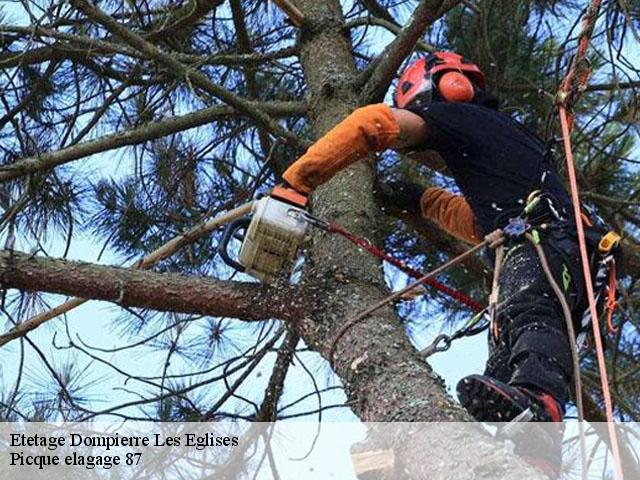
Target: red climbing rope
column 574, row 84
column 611, row 300
column 381, row 254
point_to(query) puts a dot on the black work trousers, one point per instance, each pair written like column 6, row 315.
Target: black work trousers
column 532, row 345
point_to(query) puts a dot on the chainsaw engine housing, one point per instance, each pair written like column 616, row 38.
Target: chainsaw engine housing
column 272, row 239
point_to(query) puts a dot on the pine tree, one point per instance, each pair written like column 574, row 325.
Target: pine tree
column 126, row 124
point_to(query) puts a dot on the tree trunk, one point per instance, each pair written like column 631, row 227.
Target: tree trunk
column 384, row 378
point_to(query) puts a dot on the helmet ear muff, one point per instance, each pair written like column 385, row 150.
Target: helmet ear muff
column 455, row 87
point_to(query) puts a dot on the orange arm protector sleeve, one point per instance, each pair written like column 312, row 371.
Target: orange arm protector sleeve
column 368, row 129
column 452, row 213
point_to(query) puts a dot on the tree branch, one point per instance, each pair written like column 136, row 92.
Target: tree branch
column 67, row 49
column 148, row 261
column 36, row 88
column 240, row 58
column 145, row 289
column 269, row 407
column 177, row 22
column 379, row 11
column 620, row 202
column 244, row 43
column 391, row 27
column 184, row 18
column 52, row 53
column 146, row 132
column 382, row 72
column 182, row 71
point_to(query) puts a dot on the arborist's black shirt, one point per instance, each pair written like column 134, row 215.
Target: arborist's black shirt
column 494, row 160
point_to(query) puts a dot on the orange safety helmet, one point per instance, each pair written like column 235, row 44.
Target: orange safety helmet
column 454, row 85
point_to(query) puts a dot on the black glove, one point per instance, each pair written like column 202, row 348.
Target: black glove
column 402, row 194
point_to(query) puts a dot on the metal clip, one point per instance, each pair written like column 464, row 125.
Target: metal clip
column 607, row 243
column 435, row 347
column 533, row 200
column 517, row 228
column 315, row 221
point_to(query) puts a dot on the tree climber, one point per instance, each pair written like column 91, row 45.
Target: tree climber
column 441, row 105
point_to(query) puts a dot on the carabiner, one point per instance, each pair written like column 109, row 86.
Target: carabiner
column 435, row 346
column 516, row 228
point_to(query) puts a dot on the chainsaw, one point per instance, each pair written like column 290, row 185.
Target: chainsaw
column 271, row 235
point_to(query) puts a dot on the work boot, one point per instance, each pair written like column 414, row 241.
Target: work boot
column 539, row 444
column 490, row 400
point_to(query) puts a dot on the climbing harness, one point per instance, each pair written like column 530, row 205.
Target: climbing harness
column 541, row 215
column 604, row 284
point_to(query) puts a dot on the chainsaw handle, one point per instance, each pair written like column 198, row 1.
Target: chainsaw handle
column 229, row 233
